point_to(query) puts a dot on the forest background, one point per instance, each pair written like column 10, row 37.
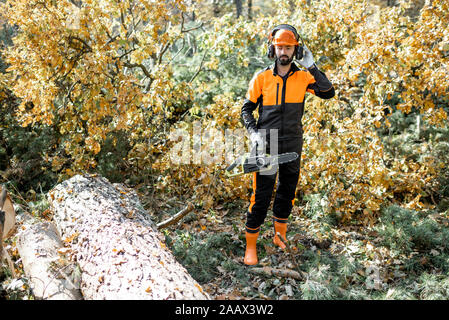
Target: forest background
column 99, row 86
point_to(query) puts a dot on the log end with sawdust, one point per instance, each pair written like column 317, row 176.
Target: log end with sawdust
column 7, row 225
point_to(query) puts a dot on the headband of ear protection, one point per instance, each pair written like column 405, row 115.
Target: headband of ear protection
column 299, row 50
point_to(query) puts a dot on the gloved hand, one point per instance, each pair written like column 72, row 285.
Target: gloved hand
column 307, row 60
column 256, row 139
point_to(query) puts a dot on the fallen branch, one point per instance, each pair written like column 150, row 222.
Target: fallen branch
column 285, row 273
column 176, row 217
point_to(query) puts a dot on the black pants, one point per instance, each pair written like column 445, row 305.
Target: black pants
column 263, row 186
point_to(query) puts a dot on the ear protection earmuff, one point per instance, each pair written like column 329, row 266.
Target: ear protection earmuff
column 299, row 50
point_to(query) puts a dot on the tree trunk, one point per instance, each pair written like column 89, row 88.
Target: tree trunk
column 9, row 221
column 118, row 248
column 7, row 224
column 51, row 275
column 216, row 8
column 238, row 7
column 418, row 127
column 250, row 10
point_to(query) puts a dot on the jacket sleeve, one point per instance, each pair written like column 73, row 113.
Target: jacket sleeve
column 253, row 99
column 320, row 84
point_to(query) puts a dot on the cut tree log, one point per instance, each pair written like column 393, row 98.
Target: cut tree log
column 51, row 275
column 10, row 215
column 119, row 250
column 7, row 225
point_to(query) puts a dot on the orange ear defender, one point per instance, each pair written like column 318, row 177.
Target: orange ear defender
column 284, row 37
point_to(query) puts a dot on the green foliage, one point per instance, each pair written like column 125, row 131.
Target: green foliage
column 202, row 256
column 332, row 277
column 433, row 287
column 6, row 34
column 317, row 285
column 415, row 236
column 112, row 157
column 24, row 155
column 23, row 151
column 14, row 289
column 228, row 55
column 408, row 230
column 317, row 209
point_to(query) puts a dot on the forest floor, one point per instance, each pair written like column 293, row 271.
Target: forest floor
column 405, row 255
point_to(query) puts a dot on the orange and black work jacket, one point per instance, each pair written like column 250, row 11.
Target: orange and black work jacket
column 281, row 99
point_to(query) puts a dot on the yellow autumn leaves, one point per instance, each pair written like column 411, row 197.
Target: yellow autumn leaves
column 108, row 68
column 93, row 69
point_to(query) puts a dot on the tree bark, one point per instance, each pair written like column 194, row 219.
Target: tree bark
column 10, row 216
column 119, row 250
column 7, row 225
column 284, row 273
column 238, row 7
column 175, row 218
column 51, row 275
column 216, row 8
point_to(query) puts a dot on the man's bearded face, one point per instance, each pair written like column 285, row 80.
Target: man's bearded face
column 284, row 54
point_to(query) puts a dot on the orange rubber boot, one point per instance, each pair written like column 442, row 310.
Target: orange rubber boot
column 251, row 250
column 280, row 227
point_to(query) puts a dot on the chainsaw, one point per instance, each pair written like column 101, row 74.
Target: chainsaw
column 253, row 162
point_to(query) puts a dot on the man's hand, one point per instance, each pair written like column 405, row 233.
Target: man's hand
column 256, row 139
column 307, row 60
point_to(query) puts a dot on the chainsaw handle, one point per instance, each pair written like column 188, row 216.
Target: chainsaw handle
column 255, row 151
column 236, row 163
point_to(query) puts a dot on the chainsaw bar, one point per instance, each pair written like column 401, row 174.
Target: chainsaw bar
column 249, row 163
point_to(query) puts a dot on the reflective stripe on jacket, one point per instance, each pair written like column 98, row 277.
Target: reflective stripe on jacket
column 281, row 99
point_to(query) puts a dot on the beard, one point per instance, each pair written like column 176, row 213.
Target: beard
column 284, row 60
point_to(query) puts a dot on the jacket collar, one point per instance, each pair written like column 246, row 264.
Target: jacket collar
column 293, row 69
